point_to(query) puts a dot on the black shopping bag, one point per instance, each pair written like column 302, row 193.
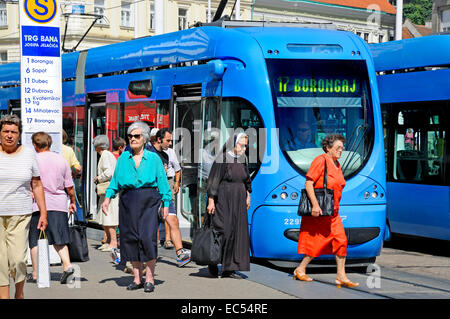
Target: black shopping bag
column 207, row 244
column 78, row 247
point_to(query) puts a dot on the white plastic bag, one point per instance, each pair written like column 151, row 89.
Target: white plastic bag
column 43, row 262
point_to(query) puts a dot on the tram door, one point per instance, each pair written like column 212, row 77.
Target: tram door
column 103, row 115
column 192, row 115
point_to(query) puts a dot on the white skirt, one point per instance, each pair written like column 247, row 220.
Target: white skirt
column 112, row 219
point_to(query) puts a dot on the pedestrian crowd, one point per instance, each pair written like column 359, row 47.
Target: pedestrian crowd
column 136, row 187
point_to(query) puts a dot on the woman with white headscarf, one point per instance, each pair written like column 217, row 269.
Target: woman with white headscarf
column 229, row 188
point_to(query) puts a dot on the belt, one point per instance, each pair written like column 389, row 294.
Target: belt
column 171, row 177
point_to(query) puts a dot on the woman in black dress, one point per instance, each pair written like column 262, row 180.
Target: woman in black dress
column 229, row 188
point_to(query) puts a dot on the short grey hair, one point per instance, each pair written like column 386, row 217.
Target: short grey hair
column 101, row 141
column 143, row 127
column 11, row 119
column 329, row 140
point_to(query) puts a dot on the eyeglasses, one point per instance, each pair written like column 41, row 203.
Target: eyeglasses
column 242, row 145
column 136, row 136
column 303, row 129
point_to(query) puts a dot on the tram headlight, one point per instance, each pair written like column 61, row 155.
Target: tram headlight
column 366, row 195
column 294, row 195
column 374, row 194
column 283, row 195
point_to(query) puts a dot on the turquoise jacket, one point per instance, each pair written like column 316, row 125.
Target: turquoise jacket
column 150, row 173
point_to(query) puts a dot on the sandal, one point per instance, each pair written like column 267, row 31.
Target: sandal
column 303, row 277
column 168, row 244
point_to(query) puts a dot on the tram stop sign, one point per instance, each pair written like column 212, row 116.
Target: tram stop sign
column 40, row 70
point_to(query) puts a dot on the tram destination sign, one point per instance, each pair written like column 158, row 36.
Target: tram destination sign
column 40, row 70
column 317, row 86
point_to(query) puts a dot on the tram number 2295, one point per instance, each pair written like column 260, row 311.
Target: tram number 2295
column 292, row 221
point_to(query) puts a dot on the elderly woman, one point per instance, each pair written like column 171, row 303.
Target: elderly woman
column 105, row 171
column 229, row 188
column 141, row 178
column 57, row 181
column 18, row 170
column 324, row 235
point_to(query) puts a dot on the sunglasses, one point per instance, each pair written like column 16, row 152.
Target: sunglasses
column 136, row 136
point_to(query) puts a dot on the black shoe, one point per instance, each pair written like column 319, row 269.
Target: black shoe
column 149, row 287
column 69, row 272
column 135, row 286
column 232, row 274
column 213, row 270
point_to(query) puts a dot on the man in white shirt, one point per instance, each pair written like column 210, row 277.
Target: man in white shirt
column 163, row 143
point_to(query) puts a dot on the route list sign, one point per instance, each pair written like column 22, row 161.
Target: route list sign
column 40, row 69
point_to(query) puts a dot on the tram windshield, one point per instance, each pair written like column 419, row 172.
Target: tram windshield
column 313, row 98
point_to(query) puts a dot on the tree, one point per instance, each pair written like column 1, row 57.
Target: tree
column 418, row 11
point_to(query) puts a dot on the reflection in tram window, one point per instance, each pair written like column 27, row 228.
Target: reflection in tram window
column 154, row 113
column 73, row 124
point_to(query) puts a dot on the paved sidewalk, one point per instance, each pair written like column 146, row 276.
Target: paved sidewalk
column 101, row 279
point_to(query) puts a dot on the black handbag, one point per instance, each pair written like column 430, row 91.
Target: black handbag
column 207, row 244
column 325, row 197
column 78, row 246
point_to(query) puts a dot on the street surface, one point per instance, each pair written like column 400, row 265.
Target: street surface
column 402, row 271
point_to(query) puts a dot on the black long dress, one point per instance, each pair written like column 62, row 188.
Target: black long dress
column 228, row 182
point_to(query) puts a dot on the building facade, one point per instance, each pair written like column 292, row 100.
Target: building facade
column 441, row 16
column 122, row 20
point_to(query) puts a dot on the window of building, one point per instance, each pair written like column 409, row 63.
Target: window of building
column 3, row 57
column 152, row 16
column 445, row 24
column 182, row 19
column 99, row 8
column 125, row 14
column 3, row 15
column 366, row 37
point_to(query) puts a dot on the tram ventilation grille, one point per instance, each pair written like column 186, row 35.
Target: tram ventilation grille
column 355, row 235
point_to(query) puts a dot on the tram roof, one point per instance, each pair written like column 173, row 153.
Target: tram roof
column 196, row 44
column 412, row 53
column 204, row 43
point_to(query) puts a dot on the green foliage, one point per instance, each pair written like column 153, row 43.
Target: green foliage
column 418, row 11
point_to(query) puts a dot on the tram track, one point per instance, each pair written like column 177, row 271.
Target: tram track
column 387, row 283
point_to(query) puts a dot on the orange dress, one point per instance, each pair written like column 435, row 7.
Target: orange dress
column 324, row 235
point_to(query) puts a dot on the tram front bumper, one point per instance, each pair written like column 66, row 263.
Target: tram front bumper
column 274, row 231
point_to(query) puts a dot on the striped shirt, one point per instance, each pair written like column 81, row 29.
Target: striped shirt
column 16, row 172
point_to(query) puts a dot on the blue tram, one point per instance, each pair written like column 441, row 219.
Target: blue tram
column 414, row 84
column 285, row 87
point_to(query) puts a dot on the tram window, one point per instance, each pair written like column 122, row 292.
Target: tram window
column 154, row 113
column 313, row 98
column 237, row 114
column 419, row 140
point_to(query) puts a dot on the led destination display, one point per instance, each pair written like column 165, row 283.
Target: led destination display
column 308, row 86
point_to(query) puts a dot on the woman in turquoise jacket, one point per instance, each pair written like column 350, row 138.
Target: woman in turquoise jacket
column 141, row 180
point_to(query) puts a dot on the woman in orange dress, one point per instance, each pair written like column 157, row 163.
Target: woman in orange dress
column 324, row 235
